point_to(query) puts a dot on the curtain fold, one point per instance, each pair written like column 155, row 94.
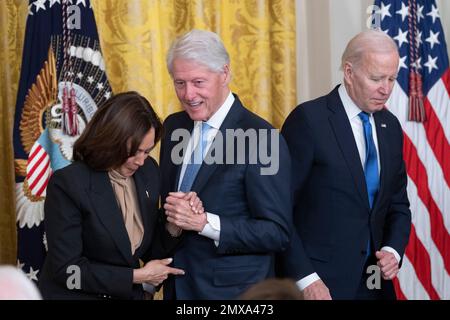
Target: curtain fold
column 12, row 25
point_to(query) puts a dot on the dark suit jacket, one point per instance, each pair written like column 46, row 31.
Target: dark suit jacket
column 331, row 209
column 254, row 212
column 85, row 227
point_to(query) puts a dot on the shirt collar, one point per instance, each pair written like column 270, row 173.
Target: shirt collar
column 351, row 109
column 218, row 117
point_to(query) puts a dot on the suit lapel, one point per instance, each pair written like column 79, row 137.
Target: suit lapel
column 346, row 141
column 105, row 205
column 383, row 151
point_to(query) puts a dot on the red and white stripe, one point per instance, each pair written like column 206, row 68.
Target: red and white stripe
column 38, row 170
column 426, row 264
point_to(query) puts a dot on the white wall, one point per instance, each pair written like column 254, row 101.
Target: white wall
column 323, row 29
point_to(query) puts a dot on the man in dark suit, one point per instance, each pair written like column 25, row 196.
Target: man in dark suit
column 246, row 198
column 351, row 209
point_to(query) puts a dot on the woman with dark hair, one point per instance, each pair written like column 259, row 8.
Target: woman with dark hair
column 101, row 212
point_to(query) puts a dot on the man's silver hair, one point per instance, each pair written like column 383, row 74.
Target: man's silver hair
column 367, row 41
column 201, row 46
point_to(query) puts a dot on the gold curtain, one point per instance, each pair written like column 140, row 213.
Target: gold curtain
column 135, row 36
column 259, row 35
column 12, row 28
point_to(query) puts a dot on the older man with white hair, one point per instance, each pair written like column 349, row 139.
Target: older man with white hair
column 351, row 209
column 247, row 216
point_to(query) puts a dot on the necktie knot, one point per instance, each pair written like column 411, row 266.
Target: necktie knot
column 364, row 116
column 205, row 126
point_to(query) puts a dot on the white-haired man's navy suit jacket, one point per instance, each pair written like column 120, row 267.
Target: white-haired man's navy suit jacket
column 255, row 215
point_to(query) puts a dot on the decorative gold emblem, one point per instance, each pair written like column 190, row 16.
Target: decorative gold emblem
column 41, row 95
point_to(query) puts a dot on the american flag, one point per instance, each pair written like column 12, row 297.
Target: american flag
column 416, row 27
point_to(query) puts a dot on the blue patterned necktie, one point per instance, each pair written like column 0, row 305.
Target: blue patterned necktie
column 370, row 165
column 196, row 160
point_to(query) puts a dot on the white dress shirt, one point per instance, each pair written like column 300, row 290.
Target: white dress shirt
column 212, row 228
column 352, row 111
